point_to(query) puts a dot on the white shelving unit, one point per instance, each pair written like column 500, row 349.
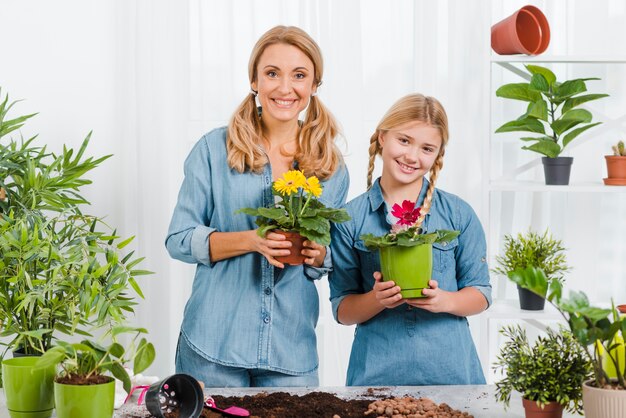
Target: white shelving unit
column 505, row 190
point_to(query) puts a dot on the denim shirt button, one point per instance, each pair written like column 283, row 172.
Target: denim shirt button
column 266, row 319
column 268, row 291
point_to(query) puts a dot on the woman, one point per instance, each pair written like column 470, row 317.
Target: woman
column 250, row 320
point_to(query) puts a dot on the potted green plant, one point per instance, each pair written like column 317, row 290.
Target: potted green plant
column 616, row 166
column 548, row 374
column 298, row 214
column 598, row 331
column 406, row 253
column 61, row 270
column 553, row 113
column 532, row 249
column 82, row 389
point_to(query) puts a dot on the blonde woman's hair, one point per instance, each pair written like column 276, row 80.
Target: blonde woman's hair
column 412, row 108
column 316, row 152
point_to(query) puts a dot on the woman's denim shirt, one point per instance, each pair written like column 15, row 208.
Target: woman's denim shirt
column 242, row 311
column 407, row 345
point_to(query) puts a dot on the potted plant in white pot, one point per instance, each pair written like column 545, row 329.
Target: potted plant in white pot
column 548, row 374
column 553, row 112
column 82, row 388
column 597, row 330
column 537, row 250
column 616, row 166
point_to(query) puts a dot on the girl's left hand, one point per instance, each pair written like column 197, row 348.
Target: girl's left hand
column 436, row 300
column 314, row 253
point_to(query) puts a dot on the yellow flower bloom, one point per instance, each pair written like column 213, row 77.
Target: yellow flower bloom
column 313, row 186
column 290, row 182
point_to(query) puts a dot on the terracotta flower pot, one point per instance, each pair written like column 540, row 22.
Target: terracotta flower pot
column 551, row 410
column 616, row 170
column 621, row 309
column 295, row 258
column 524, row 32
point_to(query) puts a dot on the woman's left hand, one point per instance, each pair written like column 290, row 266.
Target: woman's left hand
column 436, row 300
column 314, row 253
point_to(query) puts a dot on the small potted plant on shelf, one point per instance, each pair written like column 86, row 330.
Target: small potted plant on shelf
column 298, row 214
column 553, row 112
column 596, row 330
column 616, row 166
column 548, row 374
column 82, row 389
column 532, row 249
column 406, row 253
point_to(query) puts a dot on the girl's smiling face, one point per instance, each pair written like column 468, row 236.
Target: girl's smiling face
column 409, row 151
column 284, row 81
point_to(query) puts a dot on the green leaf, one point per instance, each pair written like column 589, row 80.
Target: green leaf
column 145, row 356
column 272, row 213
column 570, row 119
column 573, row 134
column 121, row 374
column 545, row 146
column 570, row 88
column 538, row 109
column 523, row 125
column 518, row 91
column 576, row 101
column 538, row 82
column 545, row 72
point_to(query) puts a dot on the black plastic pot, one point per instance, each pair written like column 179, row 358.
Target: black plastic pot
column 178, row 392
column 557, row 170
column 530, row 301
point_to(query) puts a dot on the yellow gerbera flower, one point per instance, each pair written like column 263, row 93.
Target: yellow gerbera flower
column 313, row 186
column 290, row 182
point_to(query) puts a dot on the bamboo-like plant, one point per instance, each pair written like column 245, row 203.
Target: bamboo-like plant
column 61, row 270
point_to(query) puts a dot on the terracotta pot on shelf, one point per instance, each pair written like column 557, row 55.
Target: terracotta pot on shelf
column 551, row 410
column 616, row 170
column 295, row 258
column 524, row 32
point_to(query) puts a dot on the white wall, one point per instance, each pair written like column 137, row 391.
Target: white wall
column 148, row 77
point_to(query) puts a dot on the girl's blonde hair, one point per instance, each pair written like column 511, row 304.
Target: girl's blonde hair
column 412, row 108
column 316, row 152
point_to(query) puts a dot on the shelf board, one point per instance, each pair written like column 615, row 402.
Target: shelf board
column 536, row 186
column 590, row 59
column 509, row 309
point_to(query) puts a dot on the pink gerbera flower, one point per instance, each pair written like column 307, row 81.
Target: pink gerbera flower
column 407, row 214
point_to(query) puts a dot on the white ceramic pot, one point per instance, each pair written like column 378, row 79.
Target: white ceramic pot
column 603, row 403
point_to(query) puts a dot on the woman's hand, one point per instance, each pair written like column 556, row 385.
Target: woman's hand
column 387, row 293
column 314, row 253
column 273, row 245
column 436, row 300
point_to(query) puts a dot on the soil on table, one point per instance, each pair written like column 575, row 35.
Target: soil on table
column 327, row 405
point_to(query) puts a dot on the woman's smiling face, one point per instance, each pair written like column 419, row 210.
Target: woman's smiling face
column 409, row 151
column 285, row 78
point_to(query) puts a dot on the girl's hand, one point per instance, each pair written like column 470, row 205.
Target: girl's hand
column 436, row 300
column 314, row 253
column 273, row 245
column 387, row 293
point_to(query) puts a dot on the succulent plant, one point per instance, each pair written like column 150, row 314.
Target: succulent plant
column 618, row 150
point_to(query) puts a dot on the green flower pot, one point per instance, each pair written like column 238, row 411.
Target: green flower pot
column 410, row 268
column 29, row 391
column 81, row 401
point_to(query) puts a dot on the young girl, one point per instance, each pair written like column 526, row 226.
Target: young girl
column 250, row 320
column 410, row 341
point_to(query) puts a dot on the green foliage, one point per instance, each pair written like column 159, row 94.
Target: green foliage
column 551, row 110
column 532, row 249
column 298, row 212
column 408, row 237
column 594, row 328
column 618, row 150
column 61, row 270
column 551, row 370
column 89, row 358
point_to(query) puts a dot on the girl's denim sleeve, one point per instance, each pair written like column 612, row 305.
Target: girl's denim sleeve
column 338, row 185
column 471, row 257
column 188, row 235
column 345, row 278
